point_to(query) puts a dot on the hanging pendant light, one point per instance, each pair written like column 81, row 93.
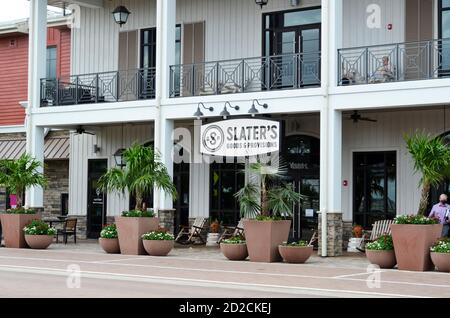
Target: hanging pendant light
column 120, row 15
column 262, row 3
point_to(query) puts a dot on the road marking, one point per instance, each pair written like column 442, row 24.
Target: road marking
column 203, row 283
column 341, row 277
column 356, row 274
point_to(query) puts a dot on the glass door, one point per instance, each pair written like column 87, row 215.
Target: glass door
column 309, row 63
column 374, row 187
column 96, row 209
column 444, row 35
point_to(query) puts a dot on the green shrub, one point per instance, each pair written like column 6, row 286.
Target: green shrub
column 109, row 232
column 297, row 244
column 158, row 236
column 138, row 214
column 21, row 211
column 441, row 246
column 383, row 243
column 264, row 218
column 414, row 219
column 234, row 240
column 38, row 227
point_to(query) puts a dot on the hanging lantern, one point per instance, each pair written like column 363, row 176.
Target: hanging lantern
column 120, row 15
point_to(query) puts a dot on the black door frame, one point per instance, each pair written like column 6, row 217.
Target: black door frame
column 89, row 232
column 385, row 153
column 277, row 30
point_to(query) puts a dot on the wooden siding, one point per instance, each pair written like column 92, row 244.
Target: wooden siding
column 14, row 71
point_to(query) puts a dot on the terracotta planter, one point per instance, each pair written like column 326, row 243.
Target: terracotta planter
column 158, row 248
column 234, row 252
column 263, row 238
column 384, row 259
column 130, row 231
column 39, row 242
column 295, row 254
column 412, row 245
column 110, row 246
column 441, row 261
column 12, row 227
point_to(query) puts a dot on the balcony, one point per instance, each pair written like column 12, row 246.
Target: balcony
column 290, row 71
column 106, row 87
column 394, row 62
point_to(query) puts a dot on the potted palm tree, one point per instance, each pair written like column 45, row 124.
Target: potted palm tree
column 17, row 176
column 414, row 235
column 143, row 172
column 266, row 207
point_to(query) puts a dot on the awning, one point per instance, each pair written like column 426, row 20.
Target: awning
column 55, row 148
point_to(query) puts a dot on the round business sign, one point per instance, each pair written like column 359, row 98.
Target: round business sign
column 213, row 138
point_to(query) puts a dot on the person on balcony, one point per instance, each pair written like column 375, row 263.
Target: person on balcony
column 384, row 73
column 441, row 212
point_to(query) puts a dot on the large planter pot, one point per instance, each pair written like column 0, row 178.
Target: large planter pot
column 130, row 231
column 234, row 252
column 441, row 261
column 158, row 248
column 110, row 246
column 12, row 228
column 412, row 245
column 264, row 237
column 384, row 259
column 295, row 254
column 39, row 242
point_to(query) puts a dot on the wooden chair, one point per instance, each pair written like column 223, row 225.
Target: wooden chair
column 379, row 228
column 69, row 228
column 190, row 234
column 228, row 232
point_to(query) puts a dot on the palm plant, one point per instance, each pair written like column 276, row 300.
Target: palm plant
column 258, row 197
column 431, row 157
column 18, row 175
column 144, row 171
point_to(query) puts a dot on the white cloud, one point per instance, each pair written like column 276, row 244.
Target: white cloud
column 13, row 10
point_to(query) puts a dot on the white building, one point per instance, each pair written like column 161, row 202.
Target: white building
column 314, row 63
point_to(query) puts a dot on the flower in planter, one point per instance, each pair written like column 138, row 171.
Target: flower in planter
column 20, row 210
column 215, row 227
column 441, row 246
column 357, row 231
column 109, row 232
column 38, row 227
column 158, row 236
column 415, row 219
column 234, row 240
column 138, row 214
column 383, row 243
column 297, row 244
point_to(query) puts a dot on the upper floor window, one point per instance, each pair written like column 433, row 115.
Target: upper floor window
column 51, row 62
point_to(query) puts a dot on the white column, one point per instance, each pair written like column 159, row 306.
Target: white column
column 165, row 56
column 161, row 199
column 36, row 71
column 330, row 120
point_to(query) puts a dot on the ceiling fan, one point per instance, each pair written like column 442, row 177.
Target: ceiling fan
column 356, row 117
column 80, row 130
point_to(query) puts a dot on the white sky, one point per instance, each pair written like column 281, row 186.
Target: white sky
column 13, row 10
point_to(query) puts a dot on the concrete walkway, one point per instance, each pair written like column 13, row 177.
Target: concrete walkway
column 200, row 272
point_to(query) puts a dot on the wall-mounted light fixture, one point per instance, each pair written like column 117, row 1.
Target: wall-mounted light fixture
column 225, row 113
column 253, row 110
column 198, row 114
column 262, row 3
column 97, row 149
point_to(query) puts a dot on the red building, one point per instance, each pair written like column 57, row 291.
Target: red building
column 14, row 67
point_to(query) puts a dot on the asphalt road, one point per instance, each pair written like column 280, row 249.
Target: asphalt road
column 59, row 273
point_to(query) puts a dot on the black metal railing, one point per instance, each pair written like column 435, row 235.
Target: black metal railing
column 103, row 87
column 394, row 62
column 289, row 71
